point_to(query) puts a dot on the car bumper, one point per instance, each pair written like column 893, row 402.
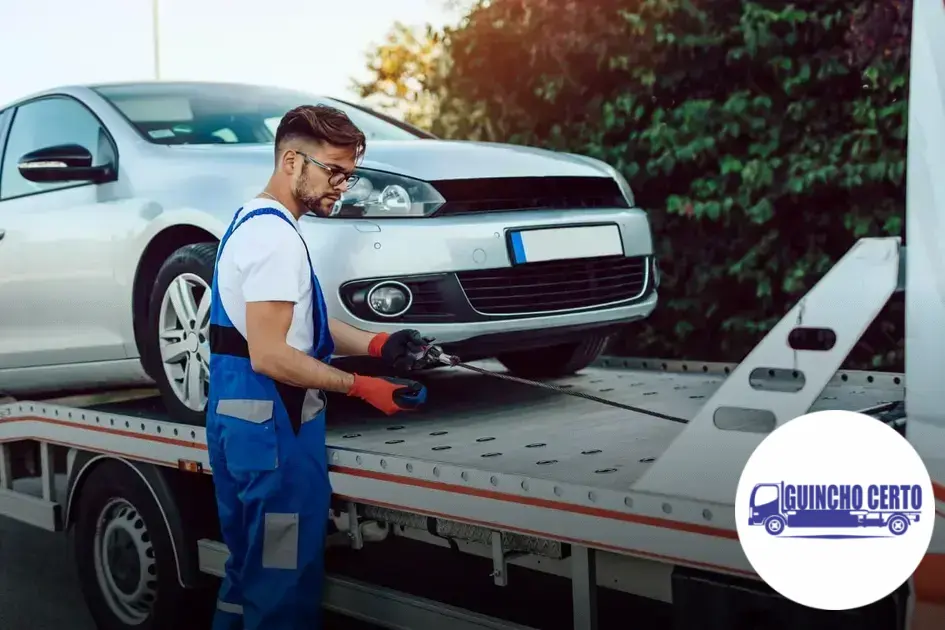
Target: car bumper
column 487, row 345
column 462, row 281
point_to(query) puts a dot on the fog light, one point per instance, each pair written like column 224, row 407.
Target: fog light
column 390, row 299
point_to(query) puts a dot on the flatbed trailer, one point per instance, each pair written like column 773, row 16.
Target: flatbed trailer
column 522, row 476
column 608, row 499
column 526, row 475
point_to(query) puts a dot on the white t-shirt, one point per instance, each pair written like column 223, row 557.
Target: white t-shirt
column 265, row 260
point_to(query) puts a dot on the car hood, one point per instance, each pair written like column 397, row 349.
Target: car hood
column 430, row 160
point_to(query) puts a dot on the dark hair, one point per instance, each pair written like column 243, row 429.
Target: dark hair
column 323, row 124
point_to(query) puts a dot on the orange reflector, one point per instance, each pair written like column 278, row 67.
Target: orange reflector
column 188, row 466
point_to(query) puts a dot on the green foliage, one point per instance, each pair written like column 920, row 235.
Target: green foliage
column 763, row 139
column 403, row 69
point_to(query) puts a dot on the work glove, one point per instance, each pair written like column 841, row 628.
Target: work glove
column 403, row 350
column 390, row 395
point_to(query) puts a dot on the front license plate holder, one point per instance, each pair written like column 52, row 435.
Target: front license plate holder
column 570, row 242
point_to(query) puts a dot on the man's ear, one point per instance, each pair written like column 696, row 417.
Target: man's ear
column 287, row 162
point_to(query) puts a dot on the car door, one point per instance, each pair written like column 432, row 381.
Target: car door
column 58, row 293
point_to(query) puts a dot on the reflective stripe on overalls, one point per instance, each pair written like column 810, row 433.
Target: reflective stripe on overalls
column 266, row 444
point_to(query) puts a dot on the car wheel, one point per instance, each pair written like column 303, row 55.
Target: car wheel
column 555, row 361
column 125, row 558
column 178, row 331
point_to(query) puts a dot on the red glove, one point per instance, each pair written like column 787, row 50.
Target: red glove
column 376, row 347
column 390, row 395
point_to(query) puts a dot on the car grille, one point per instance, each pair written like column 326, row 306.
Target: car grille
column 428, row 304
column 555, row 285
column 505, row 194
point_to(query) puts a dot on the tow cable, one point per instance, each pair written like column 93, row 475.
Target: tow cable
column 433, row 354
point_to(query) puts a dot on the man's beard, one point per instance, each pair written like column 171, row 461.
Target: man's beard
column 312, row 203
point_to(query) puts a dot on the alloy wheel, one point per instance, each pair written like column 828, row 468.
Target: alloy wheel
column 184, row 333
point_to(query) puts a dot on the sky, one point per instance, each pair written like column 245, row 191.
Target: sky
column 312, row 45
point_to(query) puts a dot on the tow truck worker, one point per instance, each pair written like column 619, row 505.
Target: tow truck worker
column 271, row 341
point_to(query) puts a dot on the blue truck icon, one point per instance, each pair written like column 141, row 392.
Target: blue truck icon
column 777, row 506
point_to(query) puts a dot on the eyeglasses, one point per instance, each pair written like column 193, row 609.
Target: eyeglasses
column 335, row 177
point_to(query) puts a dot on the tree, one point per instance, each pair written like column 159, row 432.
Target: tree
column 763, row 139
column 880, row 28
column 404, row 69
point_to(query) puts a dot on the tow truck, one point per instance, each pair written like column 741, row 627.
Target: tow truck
column 774, row 507
column 574, row 503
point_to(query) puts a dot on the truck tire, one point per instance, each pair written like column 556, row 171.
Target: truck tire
column 189, row 267
column 125, row 559
column 775, row 525
column 898, row 524
column 555, row 361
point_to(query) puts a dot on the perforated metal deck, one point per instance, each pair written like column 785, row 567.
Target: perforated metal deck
column 487, row 453
column 481, row 423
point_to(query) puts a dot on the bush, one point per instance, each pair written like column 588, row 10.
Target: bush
column 762, row 139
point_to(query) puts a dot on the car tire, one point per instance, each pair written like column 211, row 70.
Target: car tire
column 125, row 558
column 189, row 267
column 555, row 361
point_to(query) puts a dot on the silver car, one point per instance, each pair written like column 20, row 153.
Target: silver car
column 113, row 199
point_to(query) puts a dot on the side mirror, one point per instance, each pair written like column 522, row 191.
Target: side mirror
column 62, row 163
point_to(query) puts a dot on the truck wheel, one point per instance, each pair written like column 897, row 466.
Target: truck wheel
column 774, row 525
column 125, row 558
column 555, row 361
column 178, row 331
column 898, row 524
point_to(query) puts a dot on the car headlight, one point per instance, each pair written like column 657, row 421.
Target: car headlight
column 377, row 195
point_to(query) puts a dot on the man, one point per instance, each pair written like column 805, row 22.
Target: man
column 271, row 342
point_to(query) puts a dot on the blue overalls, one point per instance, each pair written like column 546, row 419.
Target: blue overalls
column 270, row 471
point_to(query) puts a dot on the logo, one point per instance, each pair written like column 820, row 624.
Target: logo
column 834, row 510
column 787, row 506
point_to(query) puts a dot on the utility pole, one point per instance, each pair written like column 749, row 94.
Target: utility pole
column 156, row 36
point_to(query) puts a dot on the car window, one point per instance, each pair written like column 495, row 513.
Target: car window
column 46, row 122
column 208, row 113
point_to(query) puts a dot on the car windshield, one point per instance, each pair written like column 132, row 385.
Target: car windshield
column 201, row 113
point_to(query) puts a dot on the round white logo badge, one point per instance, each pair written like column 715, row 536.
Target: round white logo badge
column 835, row 510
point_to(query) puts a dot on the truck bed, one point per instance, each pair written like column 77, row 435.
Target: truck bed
column 479, row 422
column 484, row 455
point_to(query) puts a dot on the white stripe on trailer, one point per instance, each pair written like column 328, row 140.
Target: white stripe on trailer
column 142, row 439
